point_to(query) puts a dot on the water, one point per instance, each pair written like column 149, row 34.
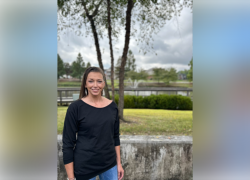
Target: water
column 139, row 93
column 148, row 93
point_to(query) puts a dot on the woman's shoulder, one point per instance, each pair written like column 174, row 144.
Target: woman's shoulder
column 110, row 102
column 74, row 105
column 106, row 100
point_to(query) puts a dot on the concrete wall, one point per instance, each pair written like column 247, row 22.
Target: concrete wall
column 150, row 158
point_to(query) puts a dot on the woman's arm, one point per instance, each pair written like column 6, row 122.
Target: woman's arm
column 69, row 140
column 117, row 146
column 119, row 165
column 70, row 170
column 118, row 156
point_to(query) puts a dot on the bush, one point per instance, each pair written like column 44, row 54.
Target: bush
column 162, row 101
column 184, row 103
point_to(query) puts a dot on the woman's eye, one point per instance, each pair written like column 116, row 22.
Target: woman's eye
column 100, row 81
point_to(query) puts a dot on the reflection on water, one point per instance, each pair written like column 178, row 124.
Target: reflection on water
column 148, row 93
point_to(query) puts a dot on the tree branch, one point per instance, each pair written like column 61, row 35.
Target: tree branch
column 96, row 9
column 85, row 8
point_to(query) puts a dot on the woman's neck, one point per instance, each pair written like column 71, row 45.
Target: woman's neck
column 94, row 99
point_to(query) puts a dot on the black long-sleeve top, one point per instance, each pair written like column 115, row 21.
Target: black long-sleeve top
column 92, row 151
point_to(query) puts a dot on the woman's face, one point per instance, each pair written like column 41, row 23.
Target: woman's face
column 95, row 83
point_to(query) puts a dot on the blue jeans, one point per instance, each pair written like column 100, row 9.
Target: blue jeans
column 110, row 174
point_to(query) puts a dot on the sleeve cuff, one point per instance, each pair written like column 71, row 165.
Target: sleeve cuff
column 67, row 161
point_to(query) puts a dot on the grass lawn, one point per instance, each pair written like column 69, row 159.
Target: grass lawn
column 147, row 122
column 176, row 84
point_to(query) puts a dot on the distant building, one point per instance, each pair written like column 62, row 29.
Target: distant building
column 150, row 73
column 107, row 73
column 182, row 76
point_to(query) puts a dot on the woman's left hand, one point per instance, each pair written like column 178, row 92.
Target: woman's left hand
column 120, row 171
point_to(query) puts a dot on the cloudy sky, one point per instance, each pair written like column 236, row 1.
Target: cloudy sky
column 173, row 45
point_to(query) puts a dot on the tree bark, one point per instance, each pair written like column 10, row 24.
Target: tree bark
column 124, row 58
column 111, row 51
column 99, row 55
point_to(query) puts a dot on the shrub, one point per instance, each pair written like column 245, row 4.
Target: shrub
column 162, row 101
column 184, row 103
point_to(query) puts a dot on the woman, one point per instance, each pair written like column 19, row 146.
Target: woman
column 96, row 150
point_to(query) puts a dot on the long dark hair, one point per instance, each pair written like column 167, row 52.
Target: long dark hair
column 84, row 91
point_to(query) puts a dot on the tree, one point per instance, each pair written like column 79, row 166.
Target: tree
column 169, row 75
column 130, row 65
column 91, row 15
column 67, row 68
column 130, row 5
column 158, row 73
column 150, row 14
column 78, row 67
column 142, row 74
column 117, row 67
column 88, row 65
column 111, row 50
column 60, row 67
column 190, row 72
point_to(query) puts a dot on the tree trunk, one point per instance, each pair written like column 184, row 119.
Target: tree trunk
column 99, row 55
column 124, row 58
column 111, row 52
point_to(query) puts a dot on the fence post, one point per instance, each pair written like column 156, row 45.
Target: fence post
column 60, row 98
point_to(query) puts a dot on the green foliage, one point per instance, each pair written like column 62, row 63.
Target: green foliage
column 129, row 67
column 78, row 67
column 133, row 75
column 169, row 75
column 88, row 65
column 139, row 102
column 185, row 71
column 117, row 67
column 184, row 103
column 129, row 101
column 60, row 67
column 190, row 72
column 130, row 63
column 73, row 11
column 162, row 101
column 165, row 75
column 142, row 74
column 67, row 68
column 152, row 15
column 158, row 72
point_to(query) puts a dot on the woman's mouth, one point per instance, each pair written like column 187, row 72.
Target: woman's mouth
column 95, row 90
